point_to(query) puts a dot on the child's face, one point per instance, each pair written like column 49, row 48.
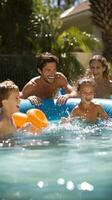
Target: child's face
column 12, row 103
column 97, row 69
column 48, row 72
column 86, row 93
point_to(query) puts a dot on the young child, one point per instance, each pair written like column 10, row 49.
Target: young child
column 86, row 109
column 9, row 104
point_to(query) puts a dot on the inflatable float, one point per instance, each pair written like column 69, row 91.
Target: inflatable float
column 53, row 111
column 35, row 116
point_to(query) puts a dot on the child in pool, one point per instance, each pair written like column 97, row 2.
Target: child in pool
column 9, row 104
column 86, row 109
column 98, row 67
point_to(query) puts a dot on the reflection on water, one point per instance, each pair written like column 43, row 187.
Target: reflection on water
column 63, row 162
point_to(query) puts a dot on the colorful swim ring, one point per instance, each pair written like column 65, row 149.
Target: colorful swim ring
column 35, row 116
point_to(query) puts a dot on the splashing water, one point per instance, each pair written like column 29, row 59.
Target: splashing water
column 72, row 161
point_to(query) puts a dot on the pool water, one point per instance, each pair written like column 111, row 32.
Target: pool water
column 66, row 162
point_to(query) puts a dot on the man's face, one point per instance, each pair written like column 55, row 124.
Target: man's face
column 48, row 72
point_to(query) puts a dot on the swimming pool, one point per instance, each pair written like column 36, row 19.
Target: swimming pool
column 72, row 162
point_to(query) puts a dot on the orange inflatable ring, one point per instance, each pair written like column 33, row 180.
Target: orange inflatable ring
column 19, row 119
column 35, row 116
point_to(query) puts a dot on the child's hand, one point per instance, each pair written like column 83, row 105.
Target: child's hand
column 28, row 127
column 64, row 120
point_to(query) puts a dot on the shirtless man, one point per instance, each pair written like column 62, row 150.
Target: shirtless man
column 86, row 109
column 99, row 69
column 49, row 81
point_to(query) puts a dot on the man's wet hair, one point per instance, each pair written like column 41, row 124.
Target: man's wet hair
column 45, row 58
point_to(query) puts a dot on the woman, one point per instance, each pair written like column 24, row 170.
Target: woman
column 98, row 67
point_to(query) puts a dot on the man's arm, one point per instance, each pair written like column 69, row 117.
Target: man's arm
column 28, row 90
column 70, row 92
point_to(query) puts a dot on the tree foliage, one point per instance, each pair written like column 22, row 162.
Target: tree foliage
column 46, row 33
column 102, row 17
column 34, row 26
column 14, row 26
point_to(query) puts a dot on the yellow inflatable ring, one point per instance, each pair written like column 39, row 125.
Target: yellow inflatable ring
column 35, row 116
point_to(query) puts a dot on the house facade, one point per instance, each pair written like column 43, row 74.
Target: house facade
column 80, row 16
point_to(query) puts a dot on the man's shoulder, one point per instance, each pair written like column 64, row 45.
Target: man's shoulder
column 61, row 80
column 34, row 80
column 60, row 76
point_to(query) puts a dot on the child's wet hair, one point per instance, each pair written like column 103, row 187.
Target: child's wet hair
column 103, row 61
column 45, row 58
column 6, row 87
column 86, row 81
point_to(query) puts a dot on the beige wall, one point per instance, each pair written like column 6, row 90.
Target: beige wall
column 83, row 58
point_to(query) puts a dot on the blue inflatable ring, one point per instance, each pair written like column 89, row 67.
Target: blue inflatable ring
column 53, row 111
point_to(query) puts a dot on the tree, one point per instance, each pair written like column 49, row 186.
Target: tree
column 65, row 46
column 14, row 26
column 102, row 17
column 47, row 36
column 33, row 27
